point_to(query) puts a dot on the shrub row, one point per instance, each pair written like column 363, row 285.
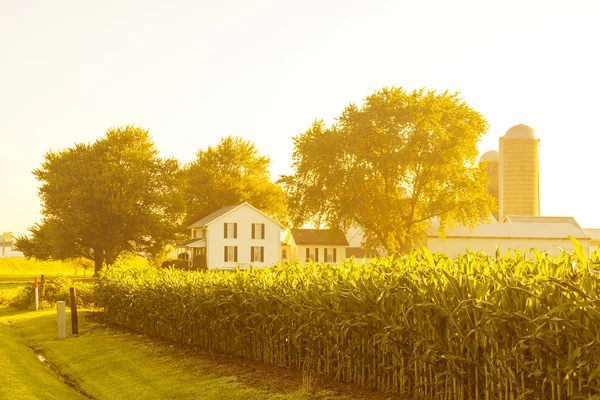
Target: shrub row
column 57, row 289
column 476, row 327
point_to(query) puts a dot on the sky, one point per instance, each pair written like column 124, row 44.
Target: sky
column 194, row 71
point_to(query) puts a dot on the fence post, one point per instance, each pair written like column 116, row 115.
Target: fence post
column 62, row 320
column 37, row 298
column 74, row 322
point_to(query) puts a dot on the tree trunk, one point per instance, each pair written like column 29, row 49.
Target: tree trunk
column 98, row 262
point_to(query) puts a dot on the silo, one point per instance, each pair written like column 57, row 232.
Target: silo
column 519, row 173
column 492, row 170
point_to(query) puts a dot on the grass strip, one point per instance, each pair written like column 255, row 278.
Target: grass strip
column 23, row 376
column 117, row 364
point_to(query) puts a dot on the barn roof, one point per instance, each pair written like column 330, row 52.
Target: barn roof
column 541, row 219
column 530, row 230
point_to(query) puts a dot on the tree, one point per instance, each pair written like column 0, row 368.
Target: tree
column 104, row 199
column 231, row 172
column 392, row 166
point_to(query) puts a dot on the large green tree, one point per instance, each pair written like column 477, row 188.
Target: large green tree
column 231, row 172
column 392, row 165
column 104, row 199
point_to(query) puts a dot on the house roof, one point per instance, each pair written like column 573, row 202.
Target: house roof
column 212, row 216
column 541, row 219
column 6, row 244
column 186, row 243
column 334, row 237
column 222, row 212
column 516, row 230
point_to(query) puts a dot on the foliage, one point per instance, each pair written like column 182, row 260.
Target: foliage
column 391, row 166
column 422, row 325
column 7, row 294
column 57, row 289
column 232, row 172
column 104, row 199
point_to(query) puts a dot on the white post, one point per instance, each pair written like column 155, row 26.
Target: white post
column 62, row 320
column 37, row 298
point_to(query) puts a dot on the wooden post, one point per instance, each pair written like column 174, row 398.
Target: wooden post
column 43, row 286
column 62, row 320
column 74, row 322
column 37, row 298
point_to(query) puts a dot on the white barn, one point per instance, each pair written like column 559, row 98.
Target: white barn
column 543, row 236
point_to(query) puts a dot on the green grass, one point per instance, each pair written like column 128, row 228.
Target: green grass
column 23, row 376
column 116, row 364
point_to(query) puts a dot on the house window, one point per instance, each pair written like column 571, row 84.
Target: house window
column 198, row 234
column 230, row 254
column 230, row 230
column 194, row 234
column 257, row 254
column 330, row 255
column 258, row 231
column 312, row 254
column 284, row 254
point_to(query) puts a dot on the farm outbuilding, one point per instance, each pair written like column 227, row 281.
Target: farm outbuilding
column 543, row 236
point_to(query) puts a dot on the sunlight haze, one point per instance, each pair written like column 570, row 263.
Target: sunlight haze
column 194, row 71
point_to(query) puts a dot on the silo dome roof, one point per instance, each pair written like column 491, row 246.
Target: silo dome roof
column 520, row 132
column 491, row 156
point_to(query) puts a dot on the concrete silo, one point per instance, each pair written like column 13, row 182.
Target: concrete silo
column 519, row 192
column 492, row 169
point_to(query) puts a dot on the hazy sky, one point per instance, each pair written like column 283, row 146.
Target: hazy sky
column 194, row 71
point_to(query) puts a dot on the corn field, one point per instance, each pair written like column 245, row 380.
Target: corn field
column 425, row 326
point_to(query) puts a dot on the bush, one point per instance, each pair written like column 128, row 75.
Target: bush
column 57, row 289
column 7, row 294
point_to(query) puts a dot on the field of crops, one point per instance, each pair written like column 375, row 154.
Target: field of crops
column 476, row 327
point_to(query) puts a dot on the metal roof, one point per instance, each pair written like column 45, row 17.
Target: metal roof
column 541, row 219
column 491, row 156
column 531, row 230
column 520, row 131
column 593, row 233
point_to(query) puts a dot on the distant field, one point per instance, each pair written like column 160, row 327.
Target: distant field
column 23, row 266
column 19, row 268
column 17, row 272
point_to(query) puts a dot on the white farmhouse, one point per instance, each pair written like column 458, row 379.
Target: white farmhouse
column 237, row 235
column 318, row 245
